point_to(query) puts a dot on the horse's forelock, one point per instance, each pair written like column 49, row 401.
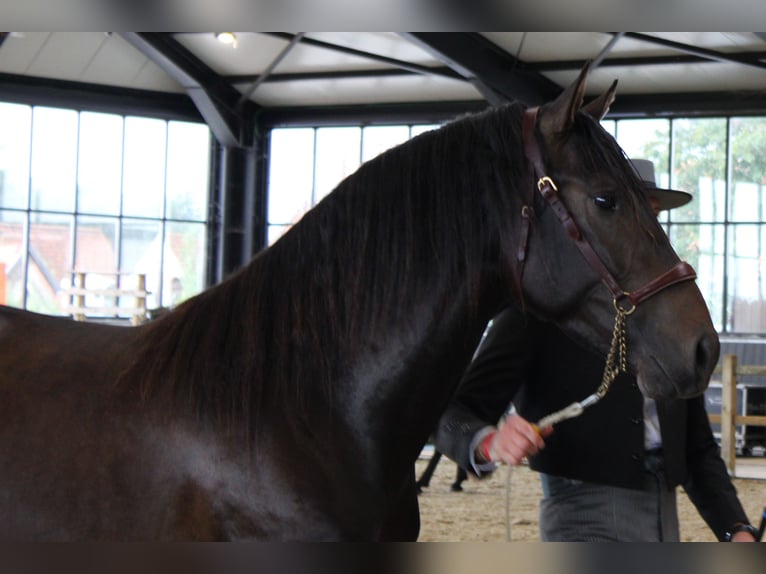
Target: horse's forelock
column 600, row 152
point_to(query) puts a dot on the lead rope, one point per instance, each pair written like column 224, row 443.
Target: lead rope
column 616, row 363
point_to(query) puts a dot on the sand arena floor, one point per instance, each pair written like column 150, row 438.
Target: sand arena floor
column 479, row 512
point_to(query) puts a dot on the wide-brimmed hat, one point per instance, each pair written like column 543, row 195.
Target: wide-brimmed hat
column 666, row 198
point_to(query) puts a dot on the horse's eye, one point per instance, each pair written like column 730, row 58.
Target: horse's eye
column 607, row 202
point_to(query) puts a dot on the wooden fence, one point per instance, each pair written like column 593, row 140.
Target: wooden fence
column 2, row 284
column 729, row 419
column 78, row 292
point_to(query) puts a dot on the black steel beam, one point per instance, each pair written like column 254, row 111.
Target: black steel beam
column 706, row 53
column 236, row 172
column 539, row 67
column 400, row 64
column 127, row 101
column 260, row 196
column 332, row 75
column 495, row 73
column 625, row 106
column 96, row 98
column 728, row 103
column 271, row 67
column 367, row 114
column 216, row 99
column 633, row 61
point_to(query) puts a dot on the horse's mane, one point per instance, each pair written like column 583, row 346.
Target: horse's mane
column 278, row 333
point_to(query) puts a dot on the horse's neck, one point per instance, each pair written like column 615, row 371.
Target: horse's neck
column 401, row 388
column 390, row 336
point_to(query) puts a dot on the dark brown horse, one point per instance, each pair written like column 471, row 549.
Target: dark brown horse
column 291, row 401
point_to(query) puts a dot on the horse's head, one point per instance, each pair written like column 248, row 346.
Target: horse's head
column 672, row 346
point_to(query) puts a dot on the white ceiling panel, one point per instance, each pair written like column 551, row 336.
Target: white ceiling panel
column 19, row 51
column 542, row 46
column 252, row 54
column 724, row 41
column 152, row 77
column 92, row 57
column 66, row 55
column 306, row 58
column 117, row 63
column 669, row 79
column 548, row 61
column 561, row 46
column 388, row 44
column 411, row 88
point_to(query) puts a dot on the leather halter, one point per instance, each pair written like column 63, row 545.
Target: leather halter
column 681, row 271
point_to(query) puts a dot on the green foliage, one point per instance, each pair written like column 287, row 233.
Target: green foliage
column 748, row 144
column 699, row 152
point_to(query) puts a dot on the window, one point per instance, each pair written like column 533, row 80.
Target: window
column 100, row 164
column 104, row 194
column 307, row 163
column 54, row 159
column 718, row 160
column 15, row 138
column 291, row 179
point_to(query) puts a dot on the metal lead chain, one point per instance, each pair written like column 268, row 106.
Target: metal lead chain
column 616, row 360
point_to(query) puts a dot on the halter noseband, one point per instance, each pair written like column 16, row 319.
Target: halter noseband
column 681, row 271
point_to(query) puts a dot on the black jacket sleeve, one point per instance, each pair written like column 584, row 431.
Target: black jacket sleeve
column 708, row 484
column 488, row 385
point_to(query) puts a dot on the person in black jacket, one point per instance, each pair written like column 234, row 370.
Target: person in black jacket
column 609, row 474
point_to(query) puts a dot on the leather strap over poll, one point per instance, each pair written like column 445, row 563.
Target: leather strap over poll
column 682, row 271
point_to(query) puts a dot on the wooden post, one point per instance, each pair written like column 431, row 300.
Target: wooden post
column 139, row 314
column 2, row 284
column 729, row 412
column 78, row 301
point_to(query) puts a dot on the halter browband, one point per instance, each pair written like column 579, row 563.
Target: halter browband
column 681, row 271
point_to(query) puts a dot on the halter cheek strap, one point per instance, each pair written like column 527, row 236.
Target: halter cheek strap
column 682, row 271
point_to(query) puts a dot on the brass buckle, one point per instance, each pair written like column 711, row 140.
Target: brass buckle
column 546, row 180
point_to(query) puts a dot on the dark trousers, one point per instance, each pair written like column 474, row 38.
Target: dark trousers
column 576, row 511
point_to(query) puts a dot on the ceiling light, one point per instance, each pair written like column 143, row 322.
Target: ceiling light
column 227, row 38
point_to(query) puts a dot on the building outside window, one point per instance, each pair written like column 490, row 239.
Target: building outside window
column 104, row 194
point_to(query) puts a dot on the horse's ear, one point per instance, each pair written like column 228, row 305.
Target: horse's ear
column 599, row 107
column 559, row 114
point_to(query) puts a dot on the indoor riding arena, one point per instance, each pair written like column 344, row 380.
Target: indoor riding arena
column 491, row 511
column 250, row 281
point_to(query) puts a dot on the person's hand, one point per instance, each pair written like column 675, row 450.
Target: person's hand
column 742, row 537
column 514, row 440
